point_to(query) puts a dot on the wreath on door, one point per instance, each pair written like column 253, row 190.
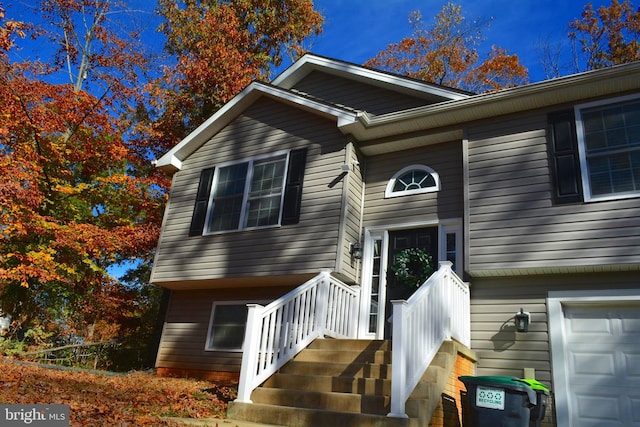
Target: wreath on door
column 412, row 267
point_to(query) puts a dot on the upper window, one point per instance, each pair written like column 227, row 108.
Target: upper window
column 247, row 194
column 414, row 179
column 609, row 144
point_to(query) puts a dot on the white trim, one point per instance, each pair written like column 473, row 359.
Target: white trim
column 389, row 193
column 367, row 272
column 172, row 160
column 584, row 167
column 556, row 303
column 309, row 62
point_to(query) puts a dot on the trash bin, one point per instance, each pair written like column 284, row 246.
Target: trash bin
column 542, row 394
column 497, row 401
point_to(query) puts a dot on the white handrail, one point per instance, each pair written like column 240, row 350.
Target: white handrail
column 276, row 333
column 439, row 310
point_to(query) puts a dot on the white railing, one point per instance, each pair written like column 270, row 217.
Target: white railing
column 323, row 306
column 439, row 310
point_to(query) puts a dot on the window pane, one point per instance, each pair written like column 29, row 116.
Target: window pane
column 228, row 327
column 414, row 180
column 263, row 205
column 226, row 213
column 231, row 180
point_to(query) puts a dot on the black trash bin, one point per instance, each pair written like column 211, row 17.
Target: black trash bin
column 497, row 401
column 542, row 394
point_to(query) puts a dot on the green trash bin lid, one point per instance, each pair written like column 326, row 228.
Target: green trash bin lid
column 536, row 385
column 512, row 383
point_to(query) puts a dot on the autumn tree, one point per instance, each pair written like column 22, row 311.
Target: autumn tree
column 72, row 201
column 219, row 47
column 446, row 53
column 606, row 36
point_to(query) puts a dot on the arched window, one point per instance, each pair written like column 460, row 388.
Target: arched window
column 414, row 179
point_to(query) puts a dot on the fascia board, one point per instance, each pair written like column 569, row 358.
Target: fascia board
column 309, row 62
column 172, row 160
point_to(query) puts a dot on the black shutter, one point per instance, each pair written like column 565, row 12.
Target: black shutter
column 293, row 189
column 202, row 202
column 564, row 157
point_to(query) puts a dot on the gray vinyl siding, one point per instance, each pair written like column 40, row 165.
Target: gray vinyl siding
column 357, row 95
column 494, row 303
column 513, row 221
column 303, row 248
column 445, row 159
column 184, row 335
column 352, row 216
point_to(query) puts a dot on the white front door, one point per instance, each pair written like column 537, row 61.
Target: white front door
column 601, row 346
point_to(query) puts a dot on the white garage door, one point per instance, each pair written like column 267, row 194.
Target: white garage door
column 602, row 351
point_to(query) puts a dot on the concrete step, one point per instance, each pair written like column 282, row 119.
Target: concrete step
column 325, row 383
column 331, row 401
column 350, row 344
column 344, row 356
column 356, row 370
column 302, row 417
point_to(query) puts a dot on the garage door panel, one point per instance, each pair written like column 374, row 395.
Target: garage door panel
column 633, row 366
column 602, row 409
column 593, row 364
column 584, row 321
column 635, row 409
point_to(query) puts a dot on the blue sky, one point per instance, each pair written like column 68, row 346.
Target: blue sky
column 355, row 30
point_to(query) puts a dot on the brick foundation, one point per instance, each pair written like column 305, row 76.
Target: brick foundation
column 449, row 410
column 231, row 377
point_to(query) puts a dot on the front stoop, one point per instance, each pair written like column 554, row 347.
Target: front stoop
column 343, row 383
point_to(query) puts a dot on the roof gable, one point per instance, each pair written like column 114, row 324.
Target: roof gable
column 310, row 63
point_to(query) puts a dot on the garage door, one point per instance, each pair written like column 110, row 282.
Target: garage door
column 602, row 351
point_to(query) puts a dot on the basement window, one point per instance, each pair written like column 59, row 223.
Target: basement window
column 227, row 326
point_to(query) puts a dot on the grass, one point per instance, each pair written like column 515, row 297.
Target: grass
column 96, row 399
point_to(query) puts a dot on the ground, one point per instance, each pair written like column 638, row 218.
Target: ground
column 102, row 399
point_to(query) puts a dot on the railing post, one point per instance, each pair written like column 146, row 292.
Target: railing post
column 249, row 353
column 323, row 302
column 448, row 295
column 398, row 360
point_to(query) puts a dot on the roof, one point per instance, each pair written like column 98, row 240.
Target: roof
column 437, row 122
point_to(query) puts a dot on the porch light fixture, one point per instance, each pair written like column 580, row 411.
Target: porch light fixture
column 522, row 321
column 355, row 250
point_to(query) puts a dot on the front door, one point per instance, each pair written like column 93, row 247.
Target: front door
column 422, row 238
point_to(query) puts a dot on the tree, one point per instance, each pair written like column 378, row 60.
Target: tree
column 446, row 53
column 72, row 202
column 608, row 36
column 220, row 46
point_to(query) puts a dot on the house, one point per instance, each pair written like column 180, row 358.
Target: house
column 327, row 174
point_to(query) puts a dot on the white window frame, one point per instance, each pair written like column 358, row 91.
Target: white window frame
column 582, row 150
column 389, row 190
column 245, row 198
column 208, row 344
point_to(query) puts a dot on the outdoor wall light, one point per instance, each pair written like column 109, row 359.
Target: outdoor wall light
column 522, row 321
column 355, row 250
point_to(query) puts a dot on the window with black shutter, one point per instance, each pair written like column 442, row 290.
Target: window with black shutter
column 259, row 192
